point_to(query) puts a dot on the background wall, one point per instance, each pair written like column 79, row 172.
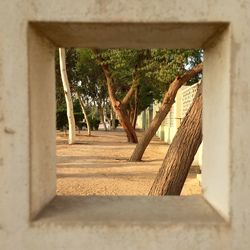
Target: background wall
column 170, row 125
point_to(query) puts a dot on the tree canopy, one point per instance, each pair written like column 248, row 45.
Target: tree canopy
column 155, row 69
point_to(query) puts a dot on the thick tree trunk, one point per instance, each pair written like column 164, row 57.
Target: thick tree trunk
column 125, row 122
column 121, row 112
column 175, row 167
column 118, row 106
column 69, row 103
column 84, row 112
column 167, row 103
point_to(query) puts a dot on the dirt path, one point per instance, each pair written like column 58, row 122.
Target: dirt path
column 98, row 165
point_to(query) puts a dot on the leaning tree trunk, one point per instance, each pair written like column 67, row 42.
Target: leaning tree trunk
column 167, row 103
column 121, row 113
column 69, row 103
column 175, row 167
column 118, row 107
column 84, row 112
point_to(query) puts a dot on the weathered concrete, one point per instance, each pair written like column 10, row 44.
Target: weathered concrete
column 143, row 211
column 220, row 27
column 42, row 107
column 125, row 35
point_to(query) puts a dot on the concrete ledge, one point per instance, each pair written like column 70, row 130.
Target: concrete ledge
column 128, row 211
column 130, row 35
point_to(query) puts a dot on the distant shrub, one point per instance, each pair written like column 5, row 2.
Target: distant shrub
column 116, row 123
column 62, row 120
column 94, row 123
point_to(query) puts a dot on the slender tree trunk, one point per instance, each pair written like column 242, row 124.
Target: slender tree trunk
column 131, row 114
column 133, row 88
column 135, row 108
column 118, row 106
column 175, row 167
column 84, row 112
column 106, row 119
column 100, row 108
column 112, row 118
column 135, row 119
column 168, row 101
column 69, row 103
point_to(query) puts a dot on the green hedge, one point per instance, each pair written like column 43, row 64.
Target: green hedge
column 62, row 120
column 94, row 123
column 116, row 123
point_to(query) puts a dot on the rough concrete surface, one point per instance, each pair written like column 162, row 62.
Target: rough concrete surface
column 27, row 185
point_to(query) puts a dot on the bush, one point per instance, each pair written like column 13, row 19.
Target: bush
column 94, row 123
column 79, row 119
column 62, row 120
column 116, row 123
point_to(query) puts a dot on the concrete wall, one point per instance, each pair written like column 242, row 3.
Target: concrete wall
column 219, row 220
column 42, row 112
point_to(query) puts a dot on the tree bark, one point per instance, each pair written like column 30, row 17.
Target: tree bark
column 134, row 86
column 118, row 107
column 175, row 167
column 168, row 101
column 84, row 112
column 67, row 93
column 126, row 124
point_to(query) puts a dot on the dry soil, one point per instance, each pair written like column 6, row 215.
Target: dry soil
column 98, row 165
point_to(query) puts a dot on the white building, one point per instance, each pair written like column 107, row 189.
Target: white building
column 170, row 125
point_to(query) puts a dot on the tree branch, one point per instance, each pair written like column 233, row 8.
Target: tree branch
column 105, row 68
column 130, row 92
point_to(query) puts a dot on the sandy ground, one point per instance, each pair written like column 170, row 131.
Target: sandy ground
column 98, row 165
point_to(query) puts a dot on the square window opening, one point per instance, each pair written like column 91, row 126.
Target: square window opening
column 44, row 37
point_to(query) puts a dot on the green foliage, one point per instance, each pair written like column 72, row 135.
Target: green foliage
column 164, row 65
column 155, row 69
column 62, row 120
column 94, row 123
column 116, row 123
column 91, row 80
column 123, row 63
column 76, row 106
